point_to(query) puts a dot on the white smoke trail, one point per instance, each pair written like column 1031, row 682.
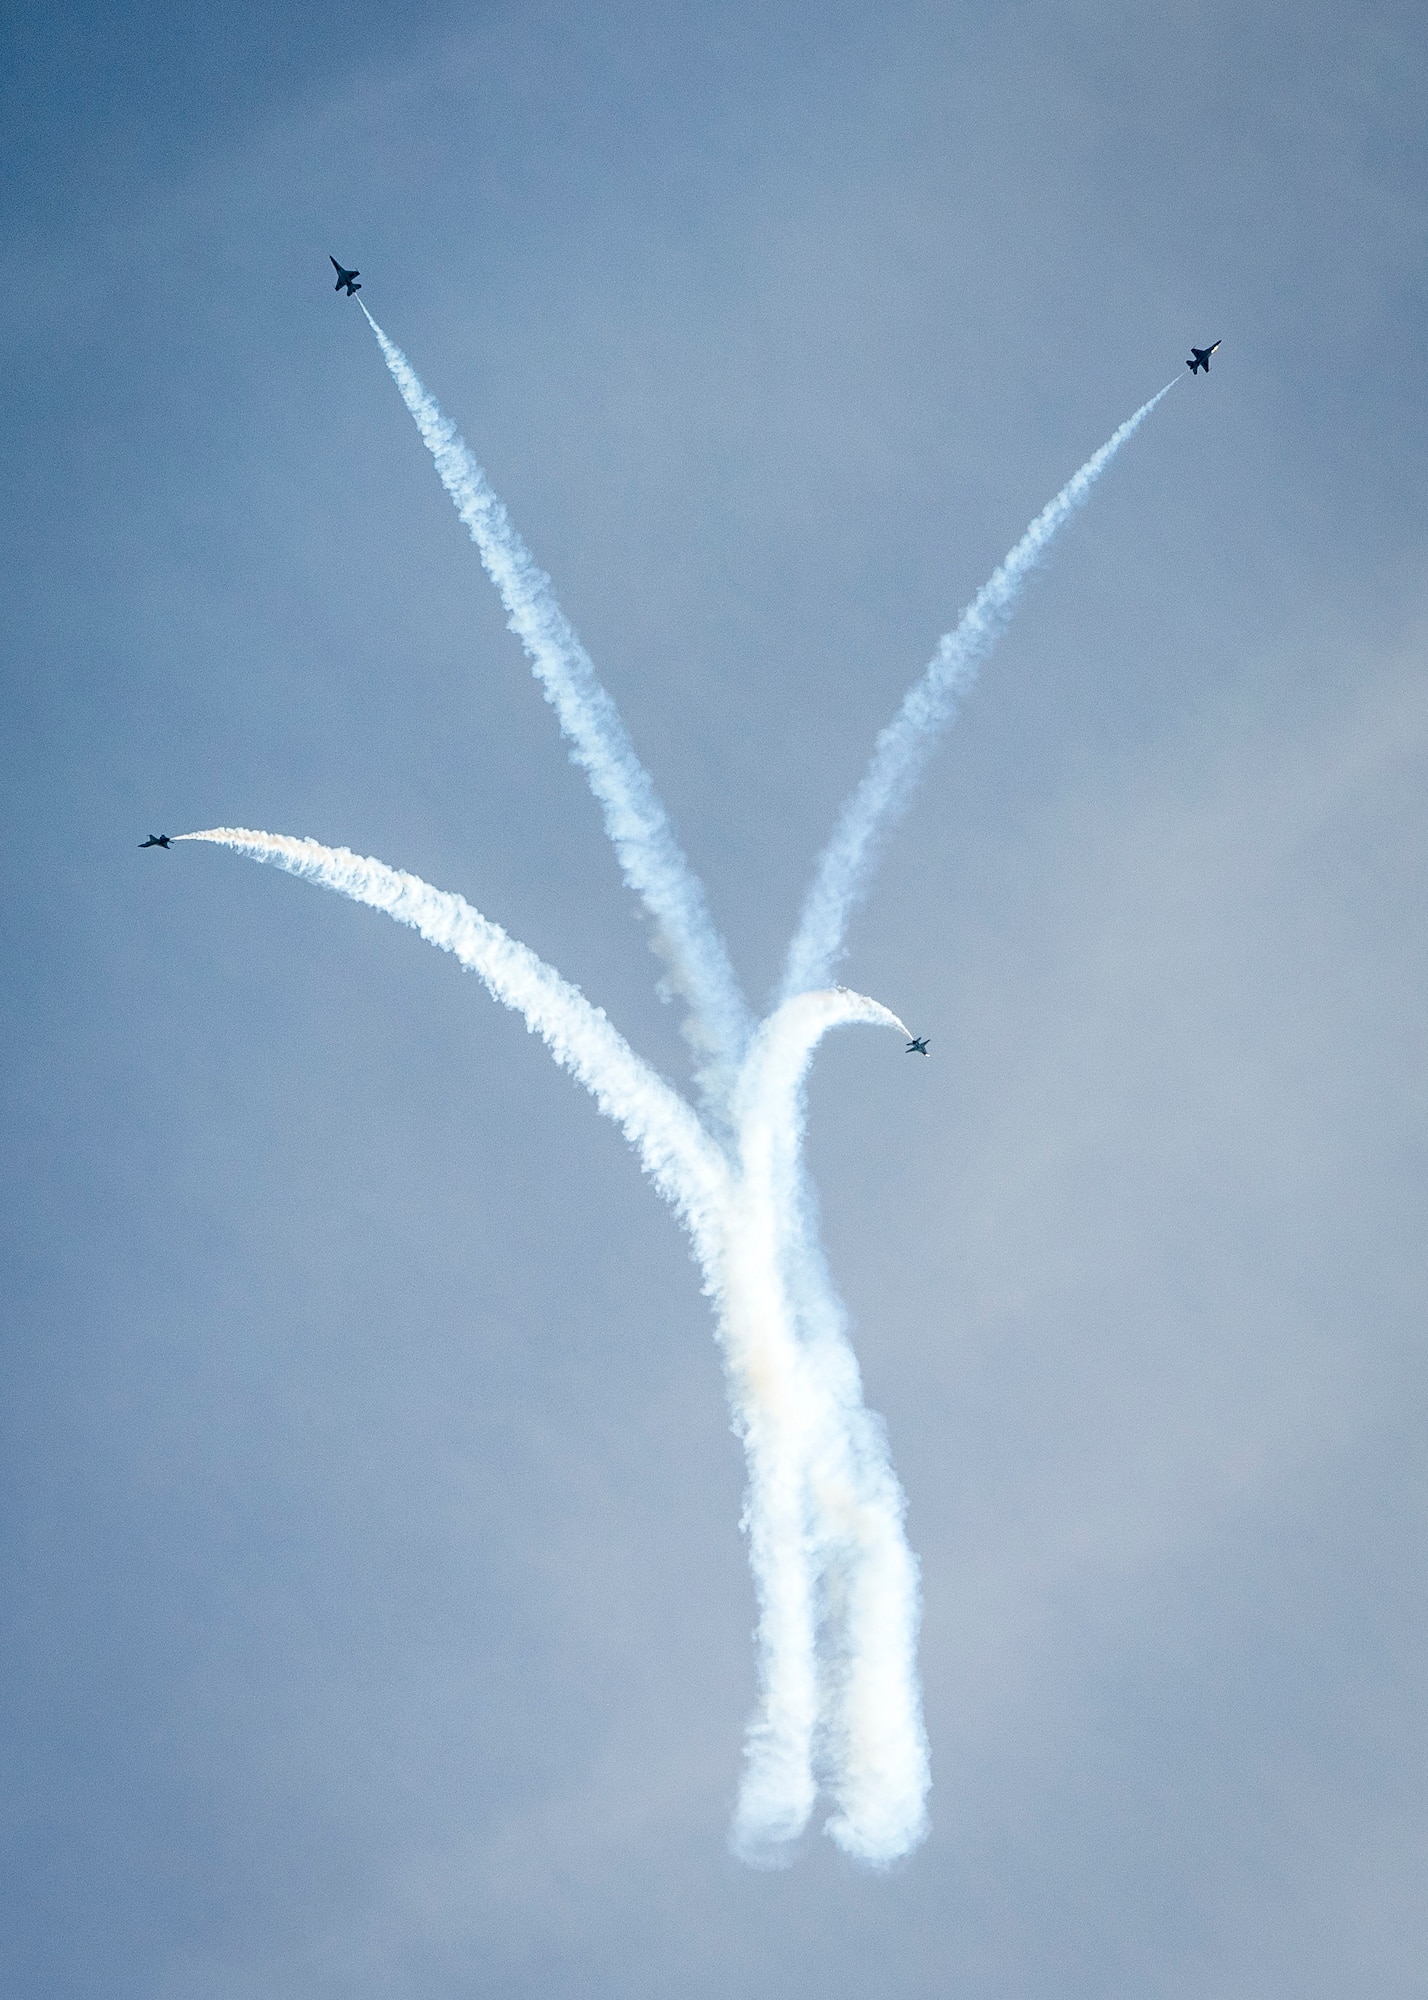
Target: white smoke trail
column 774, row 1412
column 841, row 877
column 837, row 1584
column 875, row 1747
column 785, row 1416
column 872, row 1740
column 820, row 1489
column 672, row 1147
column 637, row 823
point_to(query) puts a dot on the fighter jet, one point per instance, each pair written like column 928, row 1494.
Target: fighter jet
column 918, row 1046
column 1200, row 358
column 349, row 278
column 155, row 840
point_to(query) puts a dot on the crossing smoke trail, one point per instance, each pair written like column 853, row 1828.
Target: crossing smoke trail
column 837, row 1584
column 845, row 866
column 698, row 964
column 820, row 1492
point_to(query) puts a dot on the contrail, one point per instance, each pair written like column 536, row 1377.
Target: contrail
column 636, row 821
column 808, row 1473
column 846, row 864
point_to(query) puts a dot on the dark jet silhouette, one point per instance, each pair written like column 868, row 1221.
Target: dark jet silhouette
column 918, row 1046
column 155, row 840
column 347, row 278
column 1200, row 358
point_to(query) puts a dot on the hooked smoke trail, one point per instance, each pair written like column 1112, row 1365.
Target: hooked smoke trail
column 822, row 1497
column 875, row 1749
column 845, row 866
column 636, row 821
column 872, row 1742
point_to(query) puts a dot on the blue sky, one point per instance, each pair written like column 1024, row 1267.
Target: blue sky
column 375, row 1615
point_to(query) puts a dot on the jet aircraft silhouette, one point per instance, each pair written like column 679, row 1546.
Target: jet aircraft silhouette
column 918, row 1046
column 1200, row 358
column 347, row 278
column 155, row 840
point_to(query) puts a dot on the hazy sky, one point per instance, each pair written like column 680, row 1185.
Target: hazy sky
column 375, row 1616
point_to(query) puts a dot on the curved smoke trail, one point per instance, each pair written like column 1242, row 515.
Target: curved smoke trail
column 636, row 821
column 672, row 1147
column 846, row 864
column 811, row 1470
